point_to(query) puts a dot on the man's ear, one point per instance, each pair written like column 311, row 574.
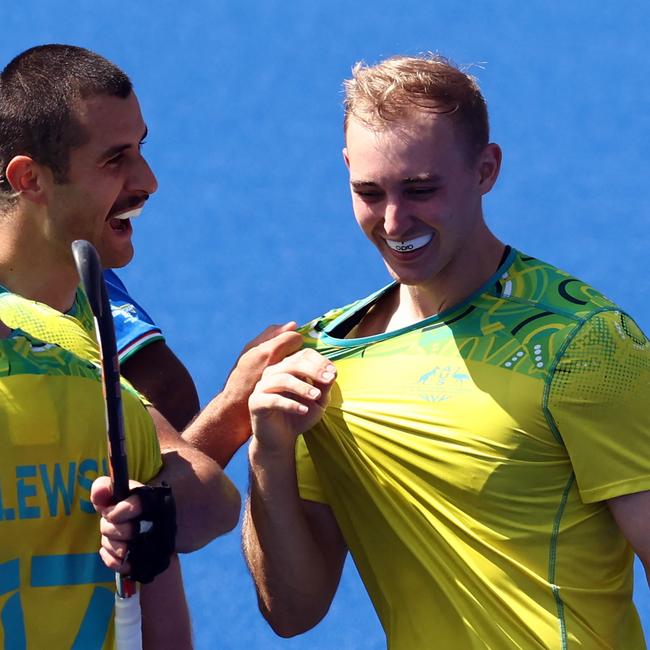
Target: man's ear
column 27, row 178
column 489, row 165
column 345, row 157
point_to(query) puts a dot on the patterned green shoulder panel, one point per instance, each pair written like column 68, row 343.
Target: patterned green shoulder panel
column 550, row 288
column 519, row 320
column 20, row 354
column 73, row 331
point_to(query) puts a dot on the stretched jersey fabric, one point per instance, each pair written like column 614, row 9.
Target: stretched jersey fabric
column 467, row 459
column 54, row 590
column 134, row 328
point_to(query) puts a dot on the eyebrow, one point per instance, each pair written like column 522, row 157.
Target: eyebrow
column 422, row 178
column 358, row 185
column 409, row 180
column 118, row 148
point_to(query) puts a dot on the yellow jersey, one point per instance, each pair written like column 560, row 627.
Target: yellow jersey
column 55, row 590
column 467, row 459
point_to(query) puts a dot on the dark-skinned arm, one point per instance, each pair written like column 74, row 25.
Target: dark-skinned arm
column 224, row 425
column 157, row 373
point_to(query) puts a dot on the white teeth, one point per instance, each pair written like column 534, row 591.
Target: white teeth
column 128, row 215
column 409, row 245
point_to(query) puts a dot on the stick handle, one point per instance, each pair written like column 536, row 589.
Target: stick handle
column 128, row 633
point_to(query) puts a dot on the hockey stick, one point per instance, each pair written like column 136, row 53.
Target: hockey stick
column 128, row 632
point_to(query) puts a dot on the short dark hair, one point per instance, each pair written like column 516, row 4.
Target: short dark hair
column 390, row 90
column 38, row 93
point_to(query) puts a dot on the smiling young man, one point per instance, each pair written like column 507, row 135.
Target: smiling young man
column 475, row 433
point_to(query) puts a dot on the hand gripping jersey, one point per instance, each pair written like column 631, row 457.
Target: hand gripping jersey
column 467, row 459
column 134, row 328
column 54, row 590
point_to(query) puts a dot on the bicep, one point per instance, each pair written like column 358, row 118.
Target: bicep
column 157, row 373
column 632, row 514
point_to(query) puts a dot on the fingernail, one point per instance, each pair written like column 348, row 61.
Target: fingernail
column 313, row 392
column 328, row 376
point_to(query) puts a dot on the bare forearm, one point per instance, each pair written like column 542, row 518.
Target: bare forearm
column 295, row 576
column 165, row 617
column 222, row 428
column 207, row 503
column 224, row 425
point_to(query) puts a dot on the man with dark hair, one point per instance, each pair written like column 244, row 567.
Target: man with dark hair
column 484, row 452
column 71, row 167
column 38, row 118
column 41, row 91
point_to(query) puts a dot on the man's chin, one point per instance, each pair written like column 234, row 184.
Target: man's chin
column 116, row 259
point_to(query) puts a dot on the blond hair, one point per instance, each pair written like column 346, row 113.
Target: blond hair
column 394, row 88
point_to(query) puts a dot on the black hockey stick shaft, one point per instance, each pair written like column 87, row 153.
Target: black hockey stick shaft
column 92, row 280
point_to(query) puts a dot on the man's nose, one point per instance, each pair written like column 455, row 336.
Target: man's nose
column 396, row 218
column 142, row 178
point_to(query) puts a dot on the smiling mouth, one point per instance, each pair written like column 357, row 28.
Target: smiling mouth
column 129, row 214
column 121, row 221
column 408, row 245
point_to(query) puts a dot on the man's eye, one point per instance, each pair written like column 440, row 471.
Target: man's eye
column 115, row 160
column 421, row 192
column 367, row 195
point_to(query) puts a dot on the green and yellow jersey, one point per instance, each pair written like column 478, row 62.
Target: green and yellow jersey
column 73, row 331
column 467, row 459
column 54, row 590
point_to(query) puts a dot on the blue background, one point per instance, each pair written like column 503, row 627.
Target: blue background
column 252, row 222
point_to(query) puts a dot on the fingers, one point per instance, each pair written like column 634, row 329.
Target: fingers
column 255, row 359
column 309, row 365
column 121, row 532
column 279, row 393
column 116, row 526
column 283, row 344
column 272, row 349
column 269, row 333
column 101, row 496
column 101, row 493
column 114, row 538
column 115, row 562
column 291, row 385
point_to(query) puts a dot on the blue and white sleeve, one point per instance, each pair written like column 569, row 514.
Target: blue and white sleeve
column 134, row 328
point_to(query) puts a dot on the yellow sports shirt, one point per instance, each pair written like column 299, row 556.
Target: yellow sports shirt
column 467, row 459
column 55, row 591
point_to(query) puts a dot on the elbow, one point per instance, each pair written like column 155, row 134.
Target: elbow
column 216, row 514
column 223, row 508
column 287, row 624
column 288, row 631
column 207, row 505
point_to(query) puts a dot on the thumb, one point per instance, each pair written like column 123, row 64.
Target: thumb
column 101, row 493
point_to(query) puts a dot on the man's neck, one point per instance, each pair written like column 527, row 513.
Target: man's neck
column 50, row 288
column 410, row 304
column 33, row 271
